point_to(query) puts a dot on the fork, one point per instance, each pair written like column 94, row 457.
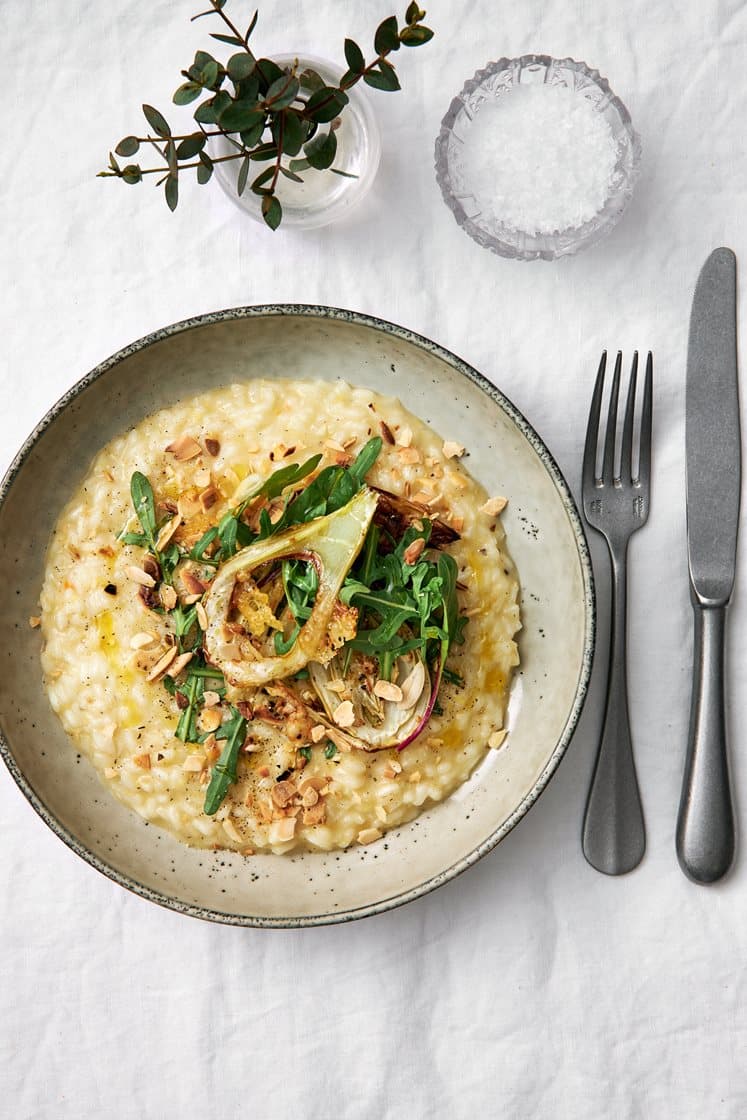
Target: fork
column 614, row 835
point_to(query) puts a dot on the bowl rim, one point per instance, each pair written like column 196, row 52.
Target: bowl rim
column 324, row 312
column 610, row 213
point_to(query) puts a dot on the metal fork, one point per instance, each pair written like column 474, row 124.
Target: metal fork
column 614, row 835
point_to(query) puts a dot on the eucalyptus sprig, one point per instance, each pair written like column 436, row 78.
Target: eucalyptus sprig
column 270, row 114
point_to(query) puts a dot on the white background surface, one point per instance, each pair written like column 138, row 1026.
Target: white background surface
column 530, row 986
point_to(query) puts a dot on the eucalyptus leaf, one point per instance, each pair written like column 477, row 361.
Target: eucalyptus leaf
column 272, row 211
column 326, row 104
column 156, row 121
column 128, row 147
column 414, row 14
column 290, row 174
column 240, row 66
column 263, row 177
column 205, row 170
column 294, row 131
column 209, row 75
column 172, row 192
column 354, row 56
column 416, row 36
column 243, row 176
column 251, row 136
column 132, row 173
column 232, row 40
column 321, row 151
column 191, row 145
column 268, row 72
column 187, row 93
column 282, row 92
column 387, row 36
column 311, row 81
column 240, row 115
column 385, row 80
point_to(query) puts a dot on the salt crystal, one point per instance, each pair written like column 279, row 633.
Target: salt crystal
column 540, row 159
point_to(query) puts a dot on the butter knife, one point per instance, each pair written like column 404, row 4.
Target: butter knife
column 705, row 826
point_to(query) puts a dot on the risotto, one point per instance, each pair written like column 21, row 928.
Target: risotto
column 280, row 615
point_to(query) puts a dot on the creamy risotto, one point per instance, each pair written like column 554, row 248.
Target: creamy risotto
column 281, row 615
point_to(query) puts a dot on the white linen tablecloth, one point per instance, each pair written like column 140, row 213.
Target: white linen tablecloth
column 531, row 986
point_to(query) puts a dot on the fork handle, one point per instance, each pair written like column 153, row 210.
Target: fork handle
column 614, row 835
column 705, row 825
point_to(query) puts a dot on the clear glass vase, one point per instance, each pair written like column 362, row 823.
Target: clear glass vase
column 323, row 197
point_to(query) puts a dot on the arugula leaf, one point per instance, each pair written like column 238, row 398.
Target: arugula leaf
column 141, row 492
column 225, row 769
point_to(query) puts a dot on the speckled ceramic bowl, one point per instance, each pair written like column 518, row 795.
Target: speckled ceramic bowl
column 545, row 538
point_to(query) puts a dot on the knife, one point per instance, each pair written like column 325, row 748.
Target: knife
column 705, row 825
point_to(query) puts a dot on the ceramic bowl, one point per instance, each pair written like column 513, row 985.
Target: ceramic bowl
column 545, row 538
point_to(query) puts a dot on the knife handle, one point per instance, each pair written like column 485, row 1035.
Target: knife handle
column 705, row 825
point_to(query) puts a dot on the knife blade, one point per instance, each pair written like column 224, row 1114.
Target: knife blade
column 705, row 826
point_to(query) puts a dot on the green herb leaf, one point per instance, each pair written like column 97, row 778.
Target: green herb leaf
column 232, row 40
column 132, row 173
column 243, row 175
column 187, row 92
column 384, row 78
column 240, row 115
column 387, row 36
column 294, row 129
column 128, row 146
column 251, row 136
column 330, row 750
column 354, row 56
column 191, row 145
column 225, row 769
column 282, row 92
column 172, row 192
column 143, row 500
column 415, row 36
column 290, row 175
column 240, row 66
column 321, row 151
column 305, row 752
column 414, row 14
column 156, row 121
column 205, row 170
column 311, row 81
column 258, row 185
column 326, row 104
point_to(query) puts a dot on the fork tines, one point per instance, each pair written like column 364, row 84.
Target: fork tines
column 625, row 476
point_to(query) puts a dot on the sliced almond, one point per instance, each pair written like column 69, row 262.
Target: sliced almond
column 422, row 498
column 137, row 575
column 202, row 478
column 35, row 622
column 315, row 814
column 232, row 831
column 168, row 596
column 282, row 830
column 343, row 715
column 404, row 437
column 180, row 663
column 194, row 764
column 192, row 585
column 452, row 449
column 414, row 550
column 167, row 532
column 385, row 690
column 282, row 793
column 457, row 524
column 142, row 760
column 143, row 639
column 409, row 455
column 381, row 813
column 333, row 445
column 413, row 685
column 318, row 732
column 212, row 446
column 210, row 699
column 209, row 719
column 110, row 772
column 494, row 506
column 336, row 686
column 202, row 617
column 309, row 797
column 368, row 835
column 162, row 664
column 496, row 739
column 188, row 507
column 209, row 497
column 184, row 448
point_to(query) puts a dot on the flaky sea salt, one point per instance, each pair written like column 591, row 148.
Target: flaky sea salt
column 540, row 159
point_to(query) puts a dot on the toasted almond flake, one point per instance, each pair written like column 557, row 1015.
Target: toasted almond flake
column 137, row 575
column 388, row 772
column 209, row 719
column 141, row 640
column 337, row 686
column 413, row 550
column 457, row 524
column 315, row 814
column 142, row 760
column 208, row 498
column 368, row 835
column 191, row 584
column 167, row 532
column 381, row 813
column 413, row 685
column 318, row 732
column 496, row 739
column 343, row 715
column 385, row 690
column 202, row 478
column 184, row 448
column 180, row 663
column 494, row 506
column 396, row 766
column 404, row 437
column 282, row 793
column 202, row 617
column 162, row 664
column 190, row 600
column 34, row 621
column 110, row 772
column 194, row 763
column 334, row 445
column 212, row 446
column 452, row 449
column 168, row 596
column 232, row 831
column 408, row 454
column 282, row 830
column 188, row 507
column 434, row 742
column 309, row 797
column 414, row 777
column 422, row 499
column 210, row 698
column 348, row 443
